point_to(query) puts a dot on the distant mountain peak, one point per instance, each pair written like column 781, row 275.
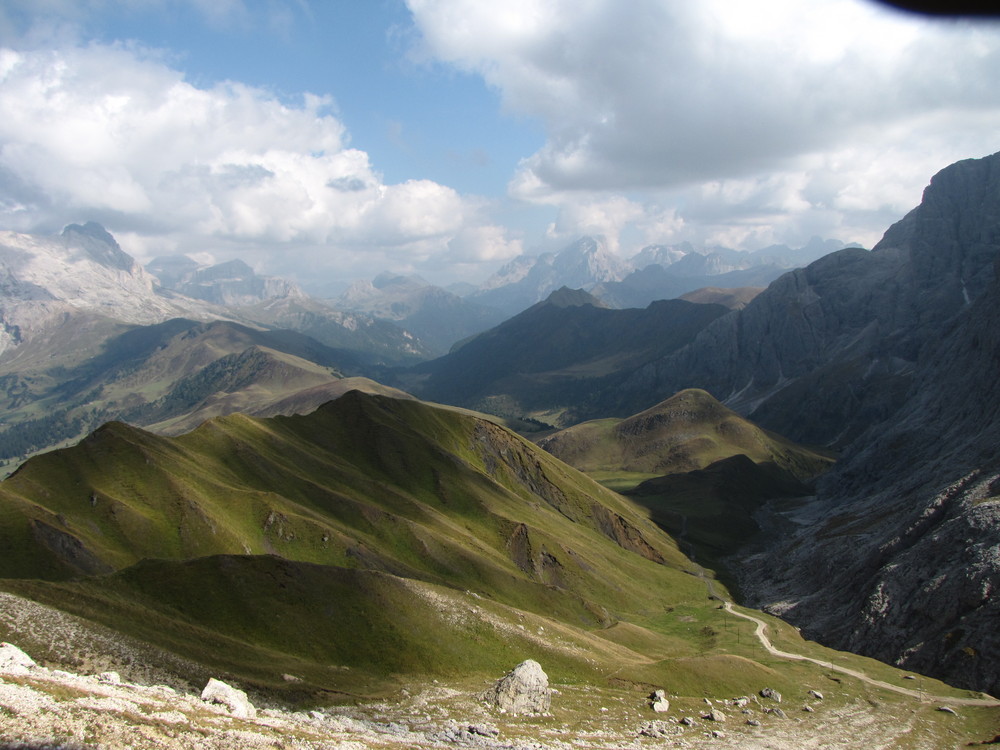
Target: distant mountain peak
column 566, row 297
column 98, row 243
column 231, row 283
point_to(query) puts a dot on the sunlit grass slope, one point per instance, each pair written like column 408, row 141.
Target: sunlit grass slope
column 688, row 431
column 420, row 535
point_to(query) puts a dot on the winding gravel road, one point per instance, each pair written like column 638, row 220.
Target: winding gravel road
column 761, row 634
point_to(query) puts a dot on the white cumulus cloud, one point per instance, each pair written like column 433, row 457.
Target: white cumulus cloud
column 114, row 134
column 828, row 115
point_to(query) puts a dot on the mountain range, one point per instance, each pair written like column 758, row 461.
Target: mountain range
column 887, row 356
column 339, row 545
column 441, row 317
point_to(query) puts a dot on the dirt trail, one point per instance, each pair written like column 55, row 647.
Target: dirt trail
column 761, row 634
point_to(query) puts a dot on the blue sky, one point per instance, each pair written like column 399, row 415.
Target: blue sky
column 335, row 139
column 417, row 119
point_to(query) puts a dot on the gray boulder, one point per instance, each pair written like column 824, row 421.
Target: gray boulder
column 523, row 690
column 659, row 702
column 771, row 693
column 14, row 661
column 235, row 700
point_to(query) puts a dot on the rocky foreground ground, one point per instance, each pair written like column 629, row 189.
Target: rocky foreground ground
column 42, row 707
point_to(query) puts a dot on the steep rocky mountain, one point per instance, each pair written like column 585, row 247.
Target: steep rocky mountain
column 89, row 336
column 898, row 555
column 437, row 317
column 83, row 281
column 231, row 284
column 44, row 281
column 655, row 282
column 556, row 355
column 376, row 342
column 656, row 272
column 278, row 303
column 668, row 272
column 838, row 341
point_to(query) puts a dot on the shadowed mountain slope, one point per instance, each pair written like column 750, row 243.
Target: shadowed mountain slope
column 557, row 354
column 897, row 557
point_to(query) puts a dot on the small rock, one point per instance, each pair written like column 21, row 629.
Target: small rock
column 291, row 678
column 776, row 712
column 707, row 701
column 816, row 694
column 655, row 729
column 688, row 721
column 771, row 693
column 717, row 715
column 909, row 677
column 753, row 722
column 741, row 702
column 235, row 700
column 110, row 678
column 717, row 734
column 484, row 730
column 14, row 661
column 947, row 710
column 808, row 709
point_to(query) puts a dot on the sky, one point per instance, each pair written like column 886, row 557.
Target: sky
column 331, row 140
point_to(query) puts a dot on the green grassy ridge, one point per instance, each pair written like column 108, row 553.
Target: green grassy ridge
column 364, row 482
column 371, row 542
column 346, row 628
column 688, row 431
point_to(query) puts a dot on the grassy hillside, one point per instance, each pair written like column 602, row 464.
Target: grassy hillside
column 173, row 375
column 391, row 508
column 368, row 548
column 686, row 432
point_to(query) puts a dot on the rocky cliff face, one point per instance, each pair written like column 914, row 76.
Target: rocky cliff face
column 828, row 350
column 44, row 279
column 898, row 555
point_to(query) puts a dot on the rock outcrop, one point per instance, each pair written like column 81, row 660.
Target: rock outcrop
column 13, row 660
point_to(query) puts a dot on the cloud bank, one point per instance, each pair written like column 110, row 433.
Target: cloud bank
column 114, row 134
column 716, row 121
column 739, row 120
